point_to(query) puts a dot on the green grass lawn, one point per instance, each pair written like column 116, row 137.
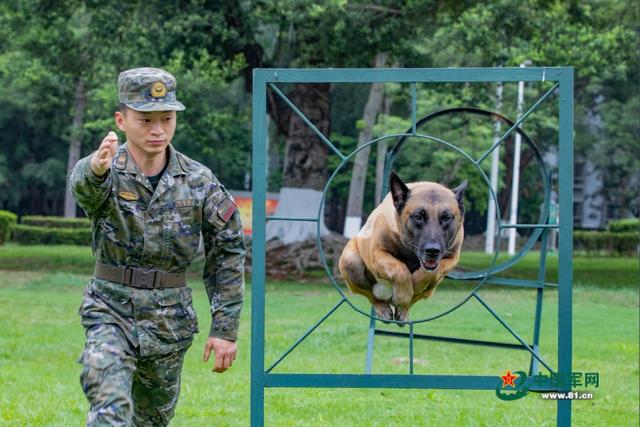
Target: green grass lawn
column 41, row 338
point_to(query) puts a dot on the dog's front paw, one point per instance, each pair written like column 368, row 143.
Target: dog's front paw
column 402, row 295
column 401, row 314
column 383, row 310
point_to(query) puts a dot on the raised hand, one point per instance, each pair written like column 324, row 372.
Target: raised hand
column 101, row 161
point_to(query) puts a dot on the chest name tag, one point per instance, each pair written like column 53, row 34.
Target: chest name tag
column 184, row 203
column 126, row 195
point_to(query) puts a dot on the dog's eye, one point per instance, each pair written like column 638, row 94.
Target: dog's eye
column 417, row 218
column 446, row 217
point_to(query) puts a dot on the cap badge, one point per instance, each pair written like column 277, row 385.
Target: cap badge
column 158, row 90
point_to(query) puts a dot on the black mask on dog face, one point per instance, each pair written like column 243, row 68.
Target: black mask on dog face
column 430, row 216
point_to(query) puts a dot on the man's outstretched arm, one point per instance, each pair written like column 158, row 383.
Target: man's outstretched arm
column 90, row 181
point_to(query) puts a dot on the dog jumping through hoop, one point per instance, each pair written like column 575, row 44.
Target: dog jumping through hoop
column 407, row 246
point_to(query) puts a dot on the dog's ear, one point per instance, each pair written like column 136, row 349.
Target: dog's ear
column 399, row 191
column 458, row 191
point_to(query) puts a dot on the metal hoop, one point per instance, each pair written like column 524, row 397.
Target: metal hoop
column 482, row 275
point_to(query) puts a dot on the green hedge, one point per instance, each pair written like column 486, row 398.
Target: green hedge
column 7, row 222
column 606, row 241
column 624, row 225
column 55, row 221
column 34, row 235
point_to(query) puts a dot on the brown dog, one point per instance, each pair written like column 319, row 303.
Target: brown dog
column 406, row 247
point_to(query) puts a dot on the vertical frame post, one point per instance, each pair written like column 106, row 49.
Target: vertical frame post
column 544, row 239
column 371, row 336
column 259, row 186
column 565, row 242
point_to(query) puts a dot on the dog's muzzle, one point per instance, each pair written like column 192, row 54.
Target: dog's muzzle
column 432, row 256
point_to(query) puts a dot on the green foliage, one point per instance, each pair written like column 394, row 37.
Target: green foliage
column 627, row 225
column 55, row 221
column 337, row 33
column 338, row 191
column 47, row 48
column 36, row 235
column 598, row 38
column 215, row 127
column 340, row 184
column 7, row 223
column 605, row 241
column 616, row 153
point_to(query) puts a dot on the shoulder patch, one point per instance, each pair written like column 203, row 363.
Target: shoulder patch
column 226, row 208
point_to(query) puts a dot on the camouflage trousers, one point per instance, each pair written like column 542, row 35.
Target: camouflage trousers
column 133, row 355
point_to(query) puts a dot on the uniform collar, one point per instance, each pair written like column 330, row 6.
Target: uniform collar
column 124, row 162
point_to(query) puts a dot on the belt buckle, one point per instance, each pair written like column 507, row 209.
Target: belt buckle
column 145, row 278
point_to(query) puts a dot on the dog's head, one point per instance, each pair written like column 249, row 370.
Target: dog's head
column 430, row 217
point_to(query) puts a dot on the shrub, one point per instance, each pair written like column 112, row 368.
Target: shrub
column 606, row 241
column 55, row 221
column 35, row 235
column 624, row 225
column 7, row 222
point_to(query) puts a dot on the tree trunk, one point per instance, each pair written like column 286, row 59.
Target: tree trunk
column 381, row 155
column 305, row 159
column 75, row 143
column 359, row 175
column 305, row 166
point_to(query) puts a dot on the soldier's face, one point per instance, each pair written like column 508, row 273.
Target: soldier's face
column 149, row 132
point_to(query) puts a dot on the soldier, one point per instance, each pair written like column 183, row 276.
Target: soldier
column 149, row 205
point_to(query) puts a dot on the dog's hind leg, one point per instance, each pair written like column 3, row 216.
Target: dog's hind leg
column 360, row 280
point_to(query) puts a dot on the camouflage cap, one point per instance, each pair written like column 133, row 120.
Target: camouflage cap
column 148, row 89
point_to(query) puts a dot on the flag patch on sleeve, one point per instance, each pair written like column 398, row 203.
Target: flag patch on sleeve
column 226, row 208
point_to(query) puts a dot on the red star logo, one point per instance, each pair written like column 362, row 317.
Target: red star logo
column 508, row 379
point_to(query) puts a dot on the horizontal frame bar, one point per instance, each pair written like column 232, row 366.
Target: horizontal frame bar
column 413, row 75
column 528, row 225
column 451, row 340
column 290, row 218
column 523, row 283
column 462, row 382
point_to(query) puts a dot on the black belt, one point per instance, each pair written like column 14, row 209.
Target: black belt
column 139, row 277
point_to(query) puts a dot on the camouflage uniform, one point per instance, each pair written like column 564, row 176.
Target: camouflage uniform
column 137, row 338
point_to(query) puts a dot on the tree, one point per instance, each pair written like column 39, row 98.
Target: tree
column 331, row 33
column 358, row 176
column 597, row 38
column 63, row 59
